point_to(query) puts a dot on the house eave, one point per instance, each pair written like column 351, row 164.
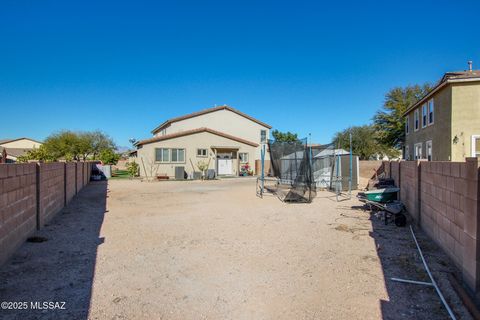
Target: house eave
column 436, row 89
column 195, row 131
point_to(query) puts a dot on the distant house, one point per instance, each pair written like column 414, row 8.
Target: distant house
column 222, row 137
column 3, row 155
column 11, row 149
column 445, row 124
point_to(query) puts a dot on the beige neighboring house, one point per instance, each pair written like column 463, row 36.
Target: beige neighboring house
column 222, row 137
column 14, row 148
column 445, row 124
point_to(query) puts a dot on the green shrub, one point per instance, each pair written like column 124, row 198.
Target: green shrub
column 107, row 156
column 132, row 168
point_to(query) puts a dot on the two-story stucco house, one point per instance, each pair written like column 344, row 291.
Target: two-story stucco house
column 11, row 149
column 222, row 137
column 445, row 124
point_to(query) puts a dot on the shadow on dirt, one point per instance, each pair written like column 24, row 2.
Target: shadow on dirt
column 60, row 269
column 399, row 258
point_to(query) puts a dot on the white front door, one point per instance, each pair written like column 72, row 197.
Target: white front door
column 225, row 166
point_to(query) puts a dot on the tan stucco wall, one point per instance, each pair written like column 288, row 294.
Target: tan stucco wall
column 191, row 143
column 465, row 118
column 22, row 143
column 224, row 121
column 439, row 132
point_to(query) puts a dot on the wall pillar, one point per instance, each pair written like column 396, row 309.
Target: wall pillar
column 471, row 255
column 37, row 193
column 418, row 186
column 399, row 175
column 76, row 177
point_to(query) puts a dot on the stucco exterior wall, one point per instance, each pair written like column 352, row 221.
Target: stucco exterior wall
column 22, row 143
column 224, row 121
column 439, row 132
column 465, row 118
column 190, row 143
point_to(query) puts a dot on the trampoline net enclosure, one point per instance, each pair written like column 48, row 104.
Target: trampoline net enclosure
column 292, row 166
column 300, row 170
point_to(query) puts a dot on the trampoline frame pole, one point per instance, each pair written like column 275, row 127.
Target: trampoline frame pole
column 262, row 153
column 351, row 164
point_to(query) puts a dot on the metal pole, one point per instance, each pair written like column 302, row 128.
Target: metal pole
column 450, row 312
column 262, row 153
column 337, row 172
column 351, row 164
column 339, row 182
column 310, row 167
column 423, row 283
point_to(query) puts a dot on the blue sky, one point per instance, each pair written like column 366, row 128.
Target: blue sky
column 304, row 66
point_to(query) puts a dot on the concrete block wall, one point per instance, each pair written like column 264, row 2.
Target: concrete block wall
column 471, row 211
column 442, row 192
column 86, row 172
column 409, row 180
column 51, row 190
column 443, row 199
column 31, row 195
column 395, row 172
column 385, row 168
column 70, row 183
column 18, row 199
column 80, row 182
column 367, row 168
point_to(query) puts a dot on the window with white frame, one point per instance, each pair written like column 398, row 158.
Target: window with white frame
column 416, row 120
column 424, row 115
column 418, row 151
column 162, row 155
column 202, row 153
column 428, row 147
column 178, row 155
column 263, row 136
column 406, row 156
column 407, row 124
column 243, row 157
column 431, row 112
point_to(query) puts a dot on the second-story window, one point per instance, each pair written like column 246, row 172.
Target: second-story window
column 431, row 111
column 424, row 115
column 202, row 153
column 407, row 124
column 263, row 136
column 416, row 121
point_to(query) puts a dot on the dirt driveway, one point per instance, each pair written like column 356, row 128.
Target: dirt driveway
column 213, row 250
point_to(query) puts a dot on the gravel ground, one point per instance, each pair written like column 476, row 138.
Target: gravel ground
column 213, row 250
